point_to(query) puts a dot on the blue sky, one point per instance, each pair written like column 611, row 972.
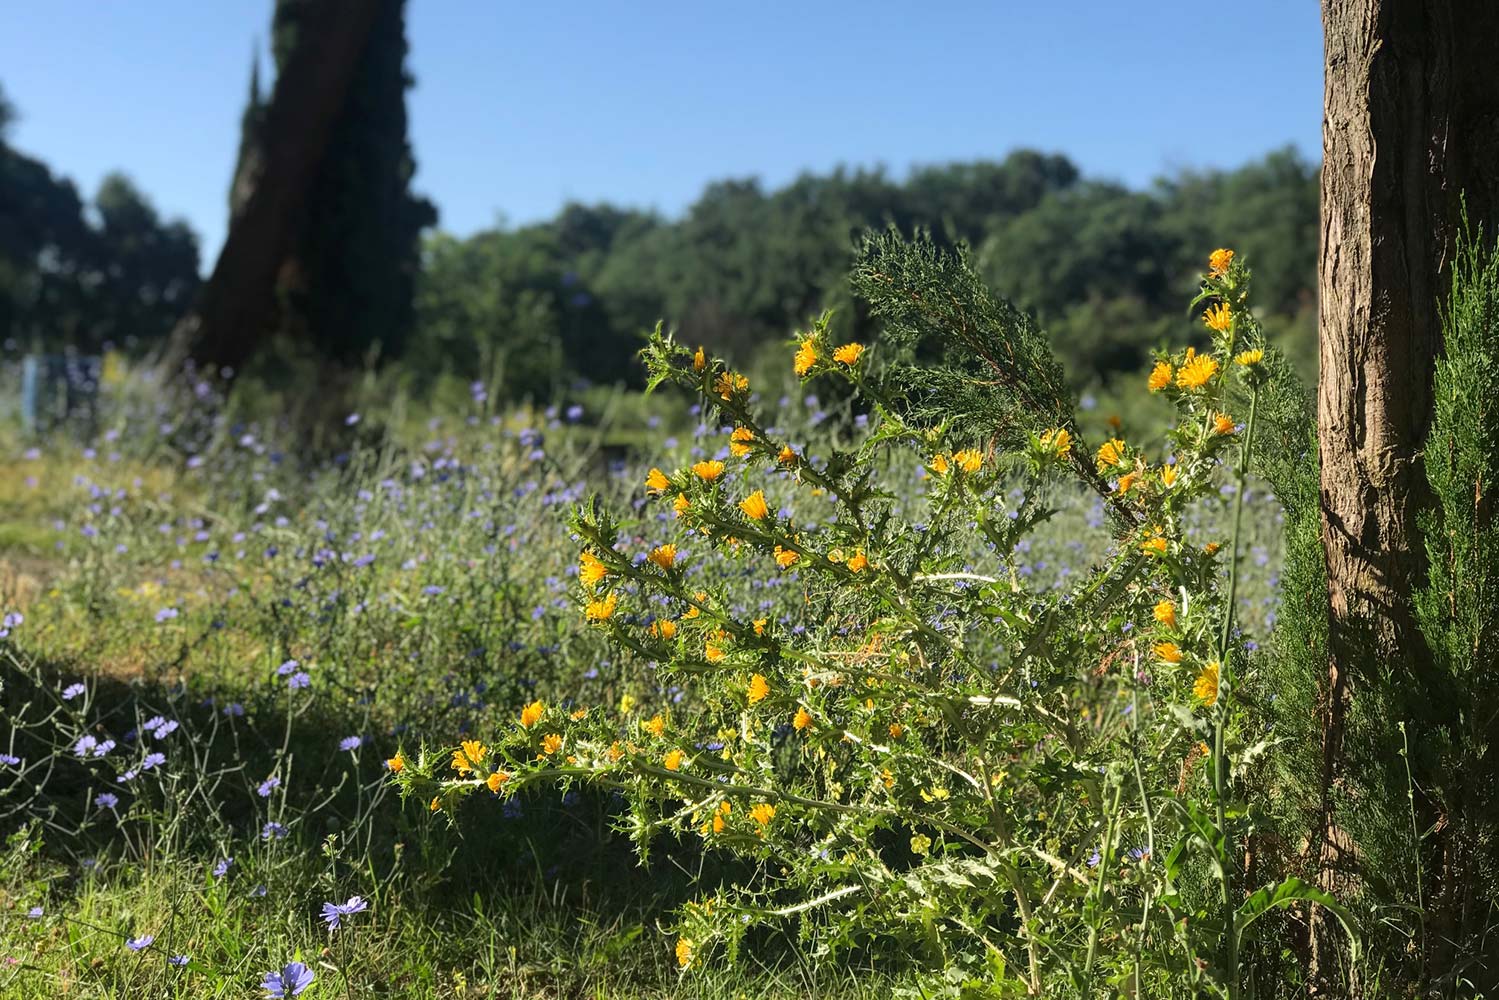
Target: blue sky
column 520, row 107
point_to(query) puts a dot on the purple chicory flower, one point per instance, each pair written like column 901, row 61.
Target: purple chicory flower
column 141, row 943
column 222, row 868
column 153, row 759
column 73, row 691
column 267, row 786
column 272, row 830
column 166, row 614
column 180, row 961
column 351, row 743
column 289, row 981
column 334, row 912
column 299, row 680
column 106, row 800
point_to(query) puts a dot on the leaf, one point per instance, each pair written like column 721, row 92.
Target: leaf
column 1290, row 891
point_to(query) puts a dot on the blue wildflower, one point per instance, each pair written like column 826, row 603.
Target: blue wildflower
column 333, row 913
column 289, row 981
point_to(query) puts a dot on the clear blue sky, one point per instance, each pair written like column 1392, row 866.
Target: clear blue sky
column 522, row 106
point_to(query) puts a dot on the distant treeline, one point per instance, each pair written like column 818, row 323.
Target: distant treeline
column 1105, row 268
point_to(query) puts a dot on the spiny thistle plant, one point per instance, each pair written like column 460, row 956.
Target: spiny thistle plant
column 1042, row 789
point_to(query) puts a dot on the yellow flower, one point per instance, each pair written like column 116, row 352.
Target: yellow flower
column 859, row 562
column 551, row 743
column 1167, row 652
column 665, row 628
column 495, row 780
column 1250, row 358
column 1218, row 317
column 785, row 557
column 397, row 764
column 590, row 570
column 897, row 730
column 754, row 505
column 655, row 725
column 739, row 441
column 1126, row 481
column 1110, row 454
column 763, row 813
column 803, row 719
column 1165, row 613
column 760, row 625
column 968, row 460
column 674, row 760
column 1168, row 475
column 718, row 824
column 921, row 843
column 806, row 357
column 656, row 481
column 729, row 383
column 460, row 763
column 681, row 504
column 848, row 354
column 598, row 611
column 684, row 952
column 475, row 751
column 712, row 651
column 759, row 688
column 1211, row 548
column 578, row 715
column 787, row 456
column 531, row 714
column 1057, row 442
column 939, row 464
column 615, row 752
column 1197, row 370
column 1160, row 376
column 1155, row 546
column 1206, row 685
column 626, row 703
column 436, row 803
column 699, row 360
column 664, row 556
column 1223, row 424
column 1218, row 262
column 709, row 470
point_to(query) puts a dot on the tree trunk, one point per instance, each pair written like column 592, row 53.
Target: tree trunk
column 237, row 306
column 1411, row 124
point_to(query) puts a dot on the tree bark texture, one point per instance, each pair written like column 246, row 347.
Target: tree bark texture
column 1411, row 125
column 237, row 305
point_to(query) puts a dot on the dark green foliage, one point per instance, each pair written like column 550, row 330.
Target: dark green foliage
column 350, row 288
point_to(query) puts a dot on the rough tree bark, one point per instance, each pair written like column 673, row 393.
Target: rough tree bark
column 237, row 305
column 1411, row 123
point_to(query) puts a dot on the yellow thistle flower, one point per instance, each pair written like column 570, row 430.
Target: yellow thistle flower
column 806, row 357
column 1218, row 317
column 495, row 780
column 1126, row 481
column 939, row 464
column 397, row 764
column 787, row 456
column 436, row 803
column 968, row 460
column 802, row 720
column 1206, row 685
column 615, row 752
column 1167, row 652
column 848, row 354
column 763, row 813
column 1168, row 475
column 712, row 651
column 754, row 506
column 664, row 628
column 785, row 558
column 460, row 763
column 718, row 824
column 673, row 760
column 684, row 952
column 681, row 504
column 1218, row 262
column 590, row 570
column 551, row 743
column 1211, row 548
column 475, row 751
column 759, row 688
column 859, row 562
column 1155, row 546
column 708, row 470
column 531, row 714
column 1223, row 424
column 1165, row 613
column 598, row 611
column 578, row 715
column 729, row 383
column 1160, row 376
column 897, row 730
column 739, row 441
column 1249, row 358
column 664, row 556
column 1197, row 370
column 1057, row 442
column 759, row 624
column 1110, row 454
column 699, row 360
column 655, row 725
column 656, row 481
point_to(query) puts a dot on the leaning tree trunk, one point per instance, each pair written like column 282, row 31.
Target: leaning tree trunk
column 236, row 307
column 1411, row 124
